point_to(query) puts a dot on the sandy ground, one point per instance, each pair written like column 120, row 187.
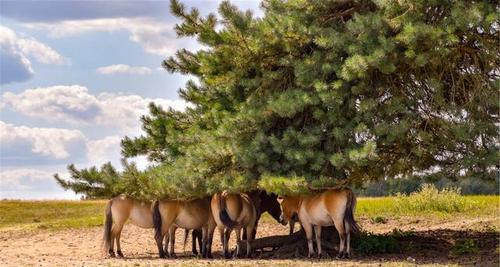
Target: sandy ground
column 82, row 248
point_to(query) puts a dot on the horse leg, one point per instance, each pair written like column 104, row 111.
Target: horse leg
column 115, row 231
column 292, row 226
column 221, row 235
column 168, row 220
column 204, row 239
column 193, row 242
column 347, row 254
column 238, row 240
column 339, row 225
column 227, row 234
column 309, row 232
column 166, row 241
column 317, row 231
column 118, row 245
column 250, row 229
column 210, row 240
column 171, row 233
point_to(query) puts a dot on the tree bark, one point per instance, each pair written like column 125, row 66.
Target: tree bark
column 291, row 246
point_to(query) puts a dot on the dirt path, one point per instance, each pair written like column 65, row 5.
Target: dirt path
column 82, row 248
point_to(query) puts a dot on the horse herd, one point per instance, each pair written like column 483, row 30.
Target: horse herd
column 231, row 211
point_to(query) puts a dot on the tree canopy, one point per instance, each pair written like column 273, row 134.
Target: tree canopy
column 317, row 93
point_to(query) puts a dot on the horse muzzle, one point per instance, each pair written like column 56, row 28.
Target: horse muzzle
column 282, row 220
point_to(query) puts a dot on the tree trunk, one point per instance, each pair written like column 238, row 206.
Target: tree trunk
column 291, row 246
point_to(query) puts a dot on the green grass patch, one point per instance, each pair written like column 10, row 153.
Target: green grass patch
column 429, row 198
column 15, row 214
column 428, row 202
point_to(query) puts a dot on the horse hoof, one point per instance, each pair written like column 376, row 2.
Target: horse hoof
column 120, row 254
column 340, row 256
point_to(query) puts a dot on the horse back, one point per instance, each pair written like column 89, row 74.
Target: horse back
column 139, row 212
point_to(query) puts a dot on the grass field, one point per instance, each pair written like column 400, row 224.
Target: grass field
column 15, row 214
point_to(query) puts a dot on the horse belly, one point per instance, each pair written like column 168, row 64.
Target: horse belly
column 320, row 216
column 188, row 221
column 142, row 217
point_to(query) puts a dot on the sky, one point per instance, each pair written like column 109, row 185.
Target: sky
column 75, row 78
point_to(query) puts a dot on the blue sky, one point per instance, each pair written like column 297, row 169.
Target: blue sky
column 75, row 77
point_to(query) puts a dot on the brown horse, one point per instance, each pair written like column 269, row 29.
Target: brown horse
column 331, row 207
column 192, row 214
column 118, row 211
column 234, row 212
column 263, row 202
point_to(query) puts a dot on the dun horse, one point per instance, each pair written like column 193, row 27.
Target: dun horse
column 118, row 211
column 332, row 207
column 263, row 203
column 193, row 214
column 234, row 212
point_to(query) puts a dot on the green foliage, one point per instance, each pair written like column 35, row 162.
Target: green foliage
column 369, row 243
column 465, row 246
column 91, row 182
column 284, row 186
column 379, row 219
column 331, row 91
column 429, row 198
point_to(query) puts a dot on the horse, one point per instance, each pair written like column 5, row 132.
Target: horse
column 191, row 214
column 234, row 212
column 332, row 207
column 263, row 202
column 118, row 211
column 266, row 203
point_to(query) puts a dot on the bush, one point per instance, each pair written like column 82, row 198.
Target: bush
column 429, row 198
column 368, row 243
column 466, row 246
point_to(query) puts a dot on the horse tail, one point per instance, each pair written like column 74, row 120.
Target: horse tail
column 157, row 220
column 223, row 215
column 108, row 223
column 349, row 212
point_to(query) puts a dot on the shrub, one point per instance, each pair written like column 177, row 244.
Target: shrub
column 429, row 198
column 465, row 246
column 369, row 243
column 379, row 219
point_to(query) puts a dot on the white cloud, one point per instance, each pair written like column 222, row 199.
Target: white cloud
column 156, row 37
column 103, row 150
column 14, row 54
column 14, row 65
column 74, row 104
column 41, row 52
column 53, row 142
column 12, row 178
column 124, row 69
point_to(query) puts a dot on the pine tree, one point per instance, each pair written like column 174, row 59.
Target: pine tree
column 317, row 93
